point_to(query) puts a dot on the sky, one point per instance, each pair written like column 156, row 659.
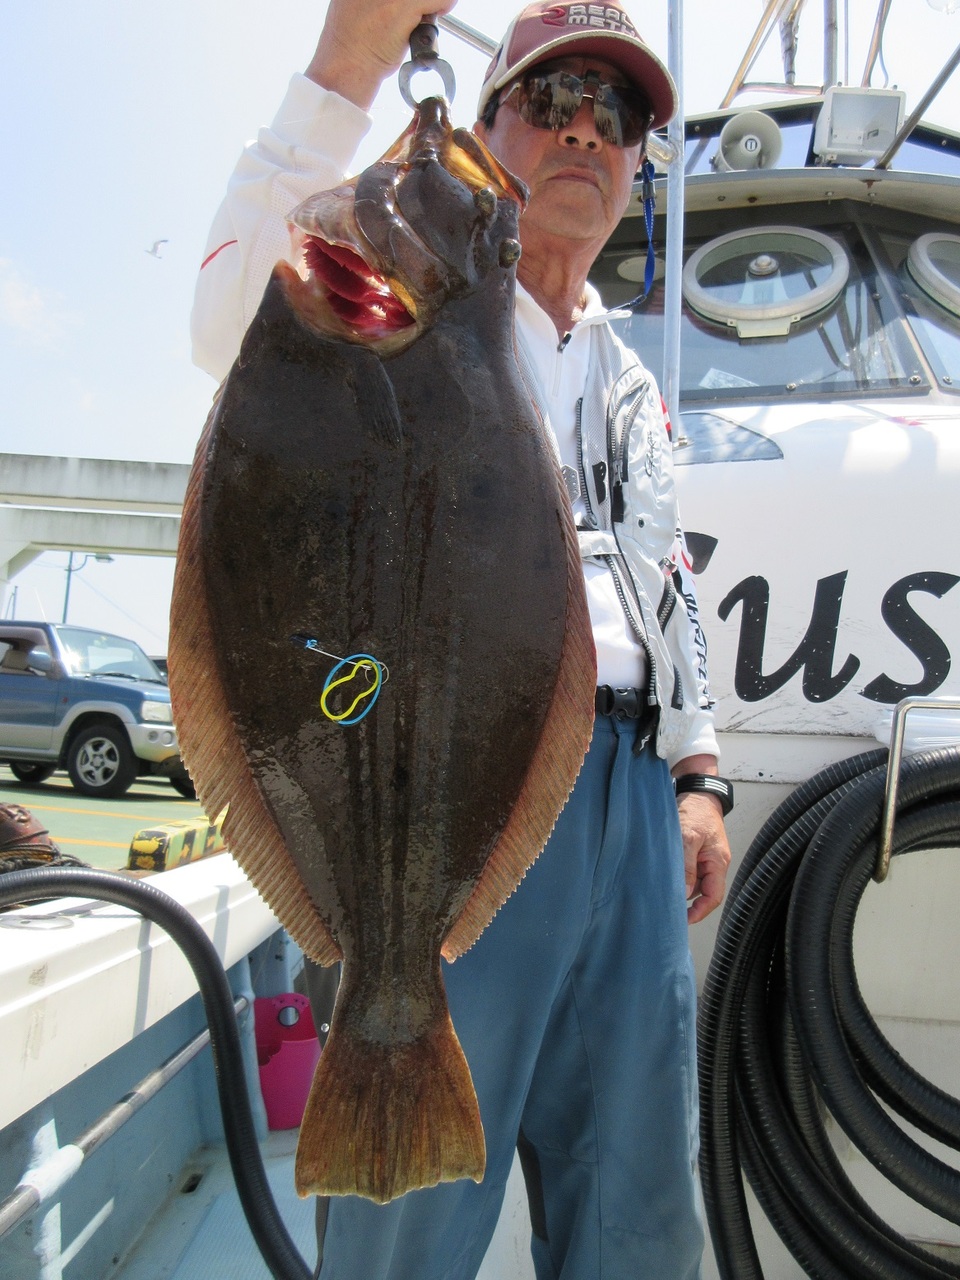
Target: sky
column 120, row 122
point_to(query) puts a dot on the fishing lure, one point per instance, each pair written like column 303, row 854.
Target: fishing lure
column 376, row 672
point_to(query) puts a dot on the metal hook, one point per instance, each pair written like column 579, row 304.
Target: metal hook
column 425, row 56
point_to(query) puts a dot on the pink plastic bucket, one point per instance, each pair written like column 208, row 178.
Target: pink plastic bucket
column 288, row 1051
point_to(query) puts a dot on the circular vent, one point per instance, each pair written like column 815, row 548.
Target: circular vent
column 762, row 281
column 934, row 262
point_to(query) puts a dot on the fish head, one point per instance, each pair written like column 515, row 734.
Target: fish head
column 428, row 222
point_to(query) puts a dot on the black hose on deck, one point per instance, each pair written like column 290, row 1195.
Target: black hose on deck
column 784, row 1031
column 279, row 1252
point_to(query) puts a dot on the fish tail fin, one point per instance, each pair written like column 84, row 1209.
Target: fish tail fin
column 384, row 1119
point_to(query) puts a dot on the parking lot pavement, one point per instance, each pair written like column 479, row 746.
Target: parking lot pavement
column 98, row 832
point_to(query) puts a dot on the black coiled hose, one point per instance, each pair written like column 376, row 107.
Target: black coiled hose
column 784, row 1031
column 271, row 1236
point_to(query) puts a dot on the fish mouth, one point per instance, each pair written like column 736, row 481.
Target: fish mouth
column 356, row 293
column 383, row 252
column 345, row 289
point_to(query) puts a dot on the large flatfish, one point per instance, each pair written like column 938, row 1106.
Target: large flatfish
column 373, row 484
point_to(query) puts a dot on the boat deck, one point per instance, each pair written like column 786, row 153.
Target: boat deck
column 201, row 1233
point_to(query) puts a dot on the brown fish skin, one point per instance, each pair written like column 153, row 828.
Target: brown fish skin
column 408, row 507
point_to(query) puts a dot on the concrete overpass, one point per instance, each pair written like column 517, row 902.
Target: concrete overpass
column 86, row 504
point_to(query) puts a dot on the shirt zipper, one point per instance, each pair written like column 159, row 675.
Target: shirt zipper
column 638, row 630
column 617, row 450
column 668, row 602
column 630, row 608
column 557, row 364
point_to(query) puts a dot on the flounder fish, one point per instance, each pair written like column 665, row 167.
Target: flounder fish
column 381, row 658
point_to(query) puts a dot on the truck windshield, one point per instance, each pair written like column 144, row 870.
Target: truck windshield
column 94, row 653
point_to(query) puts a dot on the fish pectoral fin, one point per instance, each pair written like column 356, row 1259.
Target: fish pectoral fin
column 377, row 403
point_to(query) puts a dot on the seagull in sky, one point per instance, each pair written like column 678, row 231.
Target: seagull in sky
column 155, row 251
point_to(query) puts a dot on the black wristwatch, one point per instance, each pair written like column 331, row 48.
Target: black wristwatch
column 710, row 785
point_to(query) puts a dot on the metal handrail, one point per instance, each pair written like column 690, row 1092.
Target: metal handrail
column 469, row 34
column 876, row 41
column 673, row 251
column 892, row 790
column 915, row 115
column 775, row 9
column 47, row 1179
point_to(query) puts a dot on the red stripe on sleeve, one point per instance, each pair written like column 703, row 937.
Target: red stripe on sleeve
column 210, row 257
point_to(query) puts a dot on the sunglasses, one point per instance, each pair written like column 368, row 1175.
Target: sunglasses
column 551, row 99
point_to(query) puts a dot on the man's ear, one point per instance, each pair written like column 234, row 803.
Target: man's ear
column 480, row 129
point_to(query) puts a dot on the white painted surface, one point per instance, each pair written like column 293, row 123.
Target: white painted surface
column 80, row 979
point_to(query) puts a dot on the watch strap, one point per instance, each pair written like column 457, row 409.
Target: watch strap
column 709, row 785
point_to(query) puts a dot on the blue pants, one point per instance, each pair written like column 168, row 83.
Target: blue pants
column 576, row 1013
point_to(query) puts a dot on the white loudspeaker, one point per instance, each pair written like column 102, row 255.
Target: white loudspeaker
column 750, row 140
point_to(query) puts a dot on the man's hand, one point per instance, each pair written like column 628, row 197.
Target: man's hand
column 706, row 851
column 363, row 42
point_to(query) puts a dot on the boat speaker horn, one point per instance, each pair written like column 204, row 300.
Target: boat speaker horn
column 750, row 140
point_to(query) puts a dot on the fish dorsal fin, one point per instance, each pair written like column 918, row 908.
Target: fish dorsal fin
column 211, row 747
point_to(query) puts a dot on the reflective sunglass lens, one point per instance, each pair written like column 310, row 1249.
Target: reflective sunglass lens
column 551, row 100
column 615, row 121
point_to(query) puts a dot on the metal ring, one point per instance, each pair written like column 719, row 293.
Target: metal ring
column 443, row 70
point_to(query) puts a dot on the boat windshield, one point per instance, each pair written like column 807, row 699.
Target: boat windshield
column 789, row 309
column 927, row 271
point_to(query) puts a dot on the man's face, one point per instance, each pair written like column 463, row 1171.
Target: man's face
column 579, row 184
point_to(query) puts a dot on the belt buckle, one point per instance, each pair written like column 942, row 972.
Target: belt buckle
column 626, row 704
column 623, row 704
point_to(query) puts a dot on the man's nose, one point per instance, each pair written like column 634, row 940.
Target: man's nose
column 582, row 129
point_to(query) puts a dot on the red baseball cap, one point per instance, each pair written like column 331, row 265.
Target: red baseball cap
column 556, row 29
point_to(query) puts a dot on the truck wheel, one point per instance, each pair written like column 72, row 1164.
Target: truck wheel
column 31, row 775
column 185, row 787
column 100, row 762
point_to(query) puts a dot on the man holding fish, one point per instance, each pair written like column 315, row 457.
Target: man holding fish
column 576, row 1006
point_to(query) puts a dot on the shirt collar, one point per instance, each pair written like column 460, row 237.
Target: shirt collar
column 535, row 316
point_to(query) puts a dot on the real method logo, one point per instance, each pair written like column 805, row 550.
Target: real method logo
column 604, row 16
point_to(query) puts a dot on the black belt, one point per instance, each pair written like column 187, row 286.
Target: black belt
column 629, row 704
column 625, row 704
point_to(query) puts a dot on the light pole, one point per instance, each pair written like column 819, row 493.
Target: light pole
column 72, row 569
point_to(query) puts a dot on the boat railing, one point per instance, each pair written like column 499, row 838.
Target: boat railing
column 892, row 788
column 44, row 1182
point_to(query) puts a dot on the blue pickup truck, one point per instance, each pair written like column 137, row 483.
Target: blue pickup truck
column 86, row 701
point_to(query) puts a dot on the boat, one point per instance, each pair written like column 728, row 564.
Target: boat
column 805, row 310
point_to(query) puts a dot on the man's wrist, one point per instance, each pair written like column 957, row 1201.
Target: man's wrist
column 357, row 80
column 706, row 784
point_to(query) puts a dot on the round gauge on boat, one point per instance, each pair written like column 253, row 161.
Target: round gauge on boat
column 763, row 280
column 934, row 262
